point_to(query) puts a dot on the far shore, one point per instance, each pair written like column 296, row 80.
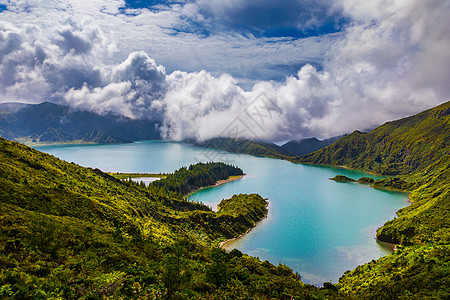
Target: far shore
column 122, row 175
column 38, row 144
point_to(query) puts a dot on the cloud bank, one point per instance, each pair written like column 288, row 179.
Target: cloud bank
column 389, row 61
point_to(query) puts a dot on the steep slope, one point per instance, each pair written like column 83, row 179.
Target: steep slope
column 306, row 146
column 419, row 268
column 416, row 272
column 417, row 150
column 73, row 232
column 399, row 147
column 51, row 123
column 427, row 219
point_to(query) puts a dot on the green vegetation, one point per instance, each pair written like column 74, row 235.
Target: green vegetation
column 186, row 180
column 426, row 220
column 399, row 147
column 243, row 204
column 417, row 151
column 366, row 180
column 236, row 216
column 243, row 209
column 246, row 147
column 418, row 272
column 342, row 178
column 73, row 232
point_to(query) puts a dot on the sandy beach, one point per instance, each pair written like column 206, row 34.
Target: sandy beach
column 220, row 182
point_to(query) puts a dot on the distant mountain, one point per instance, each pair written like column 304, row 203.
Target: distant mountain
column 246, row 147
column 52, row 123
column 286, row 151
column 309, row 145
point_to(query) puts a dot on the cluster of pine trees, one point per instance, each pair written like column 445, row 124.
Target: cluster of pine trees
column 188, row 179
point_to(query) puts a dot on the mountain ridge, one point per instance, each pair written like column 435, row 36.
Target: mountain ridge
column 394, row 148
column 308, row 145
column 53, row 123
column 243, row 146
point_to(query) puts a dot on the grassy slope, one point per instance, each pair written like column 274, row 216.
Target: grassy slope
column 417, row 151
column 71, row 232
column 246, row 147
column 399, row 147
column 416, row 272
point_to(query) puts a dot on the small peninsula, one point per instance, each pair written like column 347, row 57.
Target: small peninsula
column 342, row 178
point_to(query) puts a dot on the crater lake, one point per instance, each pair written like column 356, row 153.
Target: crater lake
column 318, row 227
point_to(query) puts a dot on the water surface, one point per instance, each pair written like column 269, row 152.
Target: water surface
column 318, row 227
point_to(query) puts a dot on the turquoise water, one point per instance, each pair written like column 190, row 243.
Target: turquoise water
column 318, row 227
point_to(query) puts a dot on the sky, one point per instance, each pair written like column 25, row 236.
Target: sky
column 270, row 70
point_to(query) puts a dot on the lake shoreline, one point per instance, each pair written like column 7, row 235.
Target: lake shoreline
column 125, row 175
column 218, row 183
column 223, row 243
column 166, row 157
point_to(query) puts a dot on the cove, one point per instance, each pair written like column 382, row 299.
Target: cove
column 318, row 227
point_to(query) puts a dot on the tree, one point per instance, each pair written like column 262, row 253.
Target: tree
column 217, row 272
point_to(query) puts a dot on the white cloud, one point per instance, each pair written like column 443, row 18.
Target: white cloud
column 169, row 35
column 391, row 61
column 198, row 105
column 128, row 88
column 114, row 97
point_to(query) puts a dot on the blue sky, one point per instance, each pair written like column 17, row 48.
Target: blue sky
column 329, row 67
column 269, row 22
column 270, row 18
column 251, row 40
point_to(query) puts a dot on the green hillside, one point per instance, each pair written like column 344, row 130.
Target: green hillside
column 416, row 151
column 399, row 147
column 242, row 146
column 72, row 232
column 286, row 151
